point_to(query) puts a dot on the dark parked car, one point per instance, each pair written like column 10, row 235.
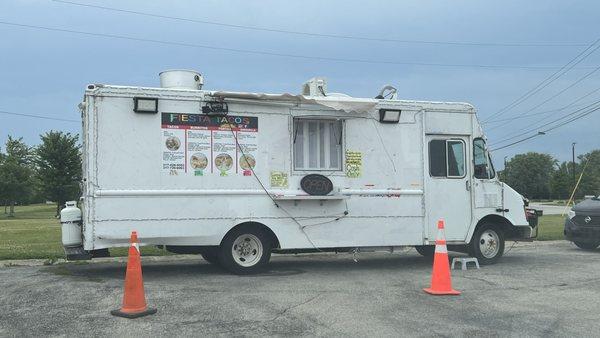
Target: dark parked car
column 582, row 226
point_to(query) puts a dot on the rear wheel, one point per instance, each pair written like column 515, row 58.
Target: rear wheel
column 425, row 250
column 245, row 250
column 587, row 245
column 487, row 244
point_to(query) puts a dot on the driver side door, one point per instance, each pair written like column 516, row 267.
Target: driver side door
column 448, row 194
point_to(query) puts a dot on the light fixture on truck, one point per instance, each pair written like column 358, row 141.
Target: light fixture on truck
column 389, row 116
column 215, row 108
column 145, row 105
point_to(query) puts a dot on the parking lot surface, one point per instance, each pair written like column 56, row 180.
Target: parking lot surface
column 538, row 289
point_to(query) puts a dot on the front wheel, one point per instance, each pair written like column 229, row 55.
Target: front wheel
column 245, row 250
column 587, row 245
column 487, row 244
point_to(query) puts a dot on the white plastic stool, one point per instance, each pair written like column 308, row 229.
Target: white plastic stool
column 463, row 262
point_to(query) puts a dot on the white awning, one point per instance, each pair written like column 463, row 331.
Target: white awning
column 347, row 104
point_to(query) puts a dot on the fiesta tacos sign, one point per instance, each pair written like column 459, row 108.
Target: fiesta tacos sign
column 201, row 121
column 198, row 145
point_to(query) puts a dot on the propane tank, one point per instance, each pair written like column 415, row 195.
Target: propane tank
column 70, row 220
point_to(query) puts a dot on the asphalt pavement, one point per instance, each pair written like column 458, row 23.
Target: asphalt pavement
column 538, row 289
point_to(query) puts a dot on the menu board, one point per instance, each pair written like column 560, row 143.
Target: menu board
column 198, row 151
column 200, row 145
column 224, row 151
column 174, row 153
column 248, row 146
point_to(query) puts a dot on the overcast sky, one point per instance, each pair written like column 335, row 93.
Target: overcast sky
column 45, row 72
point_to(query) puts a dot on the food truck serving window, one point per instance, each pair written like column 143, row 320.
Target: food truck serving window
column 447, row 158
column 317, row 144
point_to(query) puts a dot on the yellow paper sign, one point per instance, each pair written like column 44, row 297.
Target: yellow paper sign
column 279, row 179
column 353, row 163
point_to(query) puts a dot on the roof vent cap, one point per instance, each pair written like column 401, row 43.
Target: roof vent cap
column 317, row 86
column 181, row 79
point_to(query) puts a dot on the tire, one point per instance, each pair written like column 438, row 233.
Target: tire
column 487, row 244
column 245, row 250
column 587, row 245
column 211, row 256
column 425, row 250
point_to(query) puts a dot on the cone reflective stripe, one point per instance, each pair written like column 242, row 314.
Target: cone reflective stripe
column 133, row 241
column 441, row 282
column 441, row 249
column 134, row 299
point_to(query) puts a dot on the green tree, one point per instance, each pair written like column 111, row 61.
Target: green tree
column 18, row 151
column 2, row 193
column 59, row 167
column 530, row 174
column 590, row 181
column 561, row 183
column 502, row 175
column 15, row 174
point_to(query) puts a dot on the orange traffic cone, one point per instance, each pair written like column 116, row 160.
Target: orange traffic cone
column 134, row 300
column 441, row 283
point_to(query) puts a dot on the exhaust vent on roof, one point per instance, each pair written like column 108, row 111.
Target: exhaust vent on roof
column 317, row 86
column 181, row 79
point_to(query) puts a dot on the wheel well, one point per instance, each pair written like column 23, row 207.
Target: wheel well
column 502, row 223
column 261, row 226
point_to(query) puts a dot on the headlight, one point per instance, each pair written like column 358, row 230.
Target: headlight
column 571, row 214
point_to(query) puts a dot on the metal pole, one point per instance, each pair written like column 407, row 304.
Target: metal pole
column 573, row 163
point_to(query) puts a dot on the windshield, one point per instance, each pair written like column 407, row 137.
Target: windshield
column 482, row 161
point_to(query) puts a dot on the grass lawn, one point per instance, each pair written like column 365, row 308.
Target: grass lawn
column 551, row 227
column 35, row 233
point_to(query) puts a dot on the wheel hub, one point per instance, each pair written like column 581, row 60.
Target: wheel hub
column 247, row 250
column 488, row 244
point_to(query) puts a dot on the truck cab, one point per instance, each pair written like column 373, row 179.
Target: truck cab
column 462, row 184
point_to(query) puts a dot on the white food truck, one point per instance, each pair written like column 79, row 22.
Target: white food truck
column 234, row 176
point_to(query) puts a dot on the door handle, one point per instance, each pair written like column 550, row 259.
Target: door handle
column 467, row 185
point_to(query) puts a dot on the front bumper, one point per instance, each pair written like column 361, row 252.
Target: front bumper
column 574, row 232
column 521, row 233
